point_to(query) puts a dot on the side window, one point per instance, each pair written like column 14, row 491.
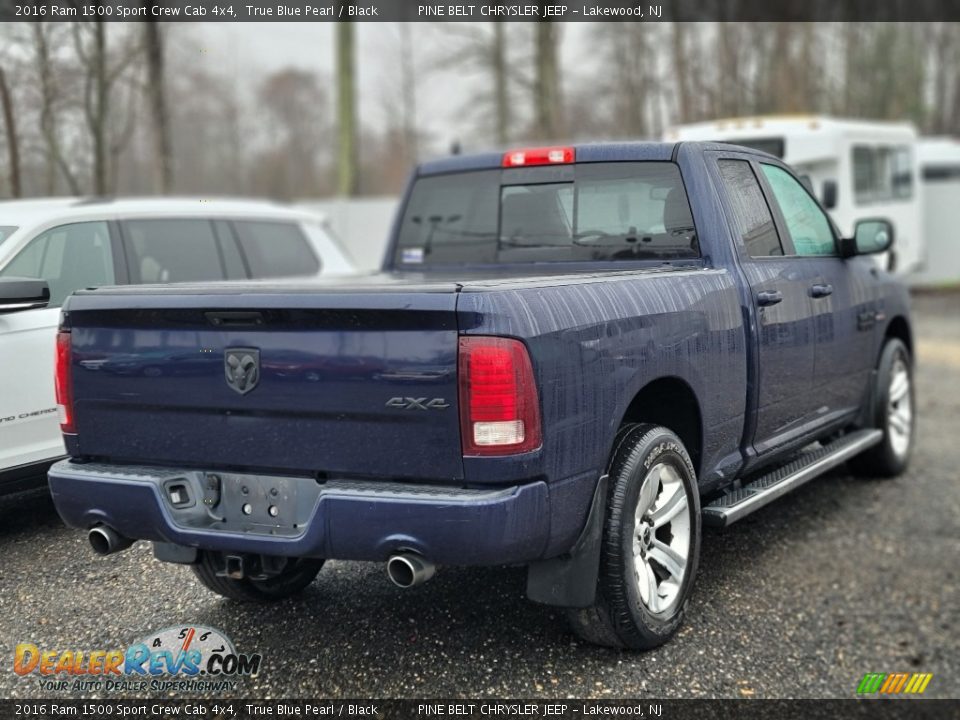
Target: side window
column 865, row 180
column 5, row 232
column 901, row 172
column 751, row 214
column 236, row 270
column 177, row 250
column 808, row 225
column 69, row 257
column 882, row 173
column 275, row 249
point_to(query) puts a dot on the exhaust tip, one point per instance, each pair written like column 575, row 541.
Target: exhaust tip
column 106, row 541
column 409, row 569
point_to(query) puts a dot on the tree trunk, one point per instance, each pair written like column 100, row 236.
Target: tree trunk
column 347, row 174
column 162, row 149
column 48, row 122
column 547, row 82
column 100, row 110
column 501, row 98
column 851, row 39
column 681, row 68
column 13, row 147
column 409, row 95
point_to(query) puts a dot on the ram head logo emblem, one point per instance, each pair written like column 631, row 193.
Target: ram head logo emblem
column 241, row 366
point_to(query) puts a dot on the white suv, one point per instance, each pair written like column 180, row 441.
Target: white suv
column 66, row 244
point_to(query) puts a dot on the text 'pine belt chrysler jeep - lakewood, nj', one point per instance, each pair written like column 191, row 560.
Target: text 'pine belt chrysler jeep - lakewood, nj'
column 574, row 357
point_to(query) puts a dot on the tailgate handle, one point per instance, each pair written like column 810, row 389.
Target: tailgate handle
column 235, row 318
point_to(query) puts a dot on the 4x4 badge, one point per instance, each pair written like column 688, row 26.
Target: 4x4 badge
column 241, row 366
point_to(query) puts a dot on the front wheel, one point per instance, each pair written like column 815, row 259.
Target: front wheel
column 651, row 543
column 295, row 575
column 895, row 411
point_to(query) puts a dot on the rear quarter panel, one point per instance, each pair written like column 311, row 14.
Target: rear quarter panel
column 596, row 343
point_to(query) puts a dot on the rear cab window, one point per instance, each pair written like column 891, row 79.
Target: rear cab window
column 608, row 211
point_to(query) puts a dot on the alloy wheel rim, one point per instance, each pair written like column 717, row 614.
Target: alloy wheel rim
column 899, row 409
column 661, row 538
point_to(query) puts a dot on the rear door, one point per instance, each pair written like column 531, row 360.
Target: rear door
column 785, row 346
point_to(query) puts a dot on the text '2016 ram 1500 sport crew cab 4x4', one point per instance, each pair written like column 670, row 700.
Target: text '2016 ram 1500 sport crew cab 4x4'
column 574, row 357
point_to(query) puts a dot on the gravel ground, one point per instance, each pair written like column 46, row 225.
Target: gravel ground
column 843, row 577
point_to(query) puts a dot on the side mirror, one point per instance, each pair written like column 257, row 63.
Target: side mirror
column 829, row 194
column 23, row 294
column 869, row 237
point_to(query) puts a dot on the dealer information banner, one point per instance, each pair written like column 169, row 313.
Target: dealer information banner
column 499, row 709
column 492, row 11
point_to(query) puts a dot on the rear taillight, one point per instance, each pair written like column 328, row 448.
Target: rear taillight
column 64, row 383
column 499, row 408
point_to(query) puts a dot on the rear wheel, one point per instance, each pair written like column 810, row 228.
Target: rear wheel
column 651, row 543
column 895, row 412
column 293, row 576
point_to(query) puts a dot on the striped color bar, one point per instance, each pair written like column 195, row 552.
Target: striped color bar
column 894, row 683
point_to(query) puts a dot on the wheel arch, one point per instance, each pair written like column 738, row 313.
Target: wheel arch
column 899, row 328
column 670, row 402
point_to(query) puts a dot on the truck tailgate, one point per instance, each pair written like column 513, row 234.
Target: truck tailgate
column 330, row 382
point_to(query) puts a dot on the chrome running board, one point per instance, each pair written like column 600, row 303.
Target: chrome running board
column 756, row 493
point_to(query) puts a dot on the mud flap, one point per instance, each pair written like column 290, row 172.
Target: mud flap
column 570, row 580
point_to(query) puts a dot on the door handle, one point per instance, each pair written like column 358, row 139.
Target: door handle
column 821, row 291
column 766, row 298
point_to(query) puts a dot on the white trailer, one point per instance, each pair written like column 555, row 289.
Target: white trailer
column 940, row 167
column 858, row 169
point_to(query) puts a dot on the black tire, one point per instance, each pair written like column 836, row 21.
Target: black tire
column 298, row 574
column 884, row 459
column 620, row 617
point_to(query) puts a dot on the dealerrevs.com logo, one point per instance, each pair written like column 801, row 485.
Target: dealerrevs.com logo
column 176, row 659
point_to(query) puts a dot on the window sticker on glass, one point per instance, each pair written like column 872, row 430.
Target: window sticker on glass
column 412, row 255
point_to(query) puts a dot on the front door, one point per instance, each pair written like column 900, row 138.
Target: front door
column 841, row 295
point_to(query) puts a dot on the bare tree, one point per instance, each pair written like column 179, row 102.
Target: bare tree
column 50, row 94
column 289, row 167
column 498, row 63
column 627, row 95
column 13, row 142
column 101, row 79
column 156, row 90
column 482, row 48
column 347, row 168
column 408, row 95
column 682, row 73
column 547, row 83
column 96, row 99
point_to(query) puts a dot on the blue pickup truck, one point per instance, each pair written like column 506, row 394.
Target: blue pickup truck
column 574, row 358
